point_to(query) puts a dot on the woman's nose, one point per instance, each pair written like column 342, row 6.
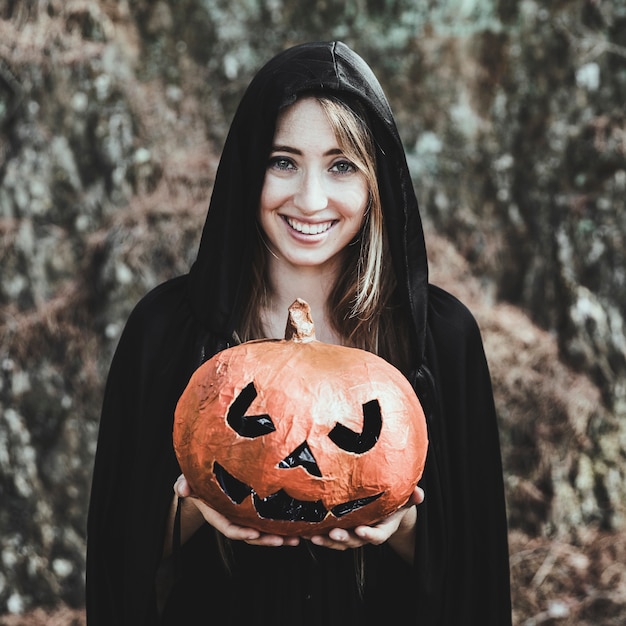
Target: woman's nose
column 311, row 194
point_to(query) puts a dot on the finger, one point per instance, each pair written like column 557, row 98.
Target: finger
column 418, row 495
column 291, row 541
column 338, row 539
column 274, row 541
column 223, row 524
column 181, row 487
column 326, row 542
column 376, row 535
column 380, row 532
column 340, row 535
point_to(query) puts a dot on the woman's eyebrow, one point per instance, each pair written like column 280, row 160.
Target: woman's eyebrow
column 286, row 149
column 292, row 150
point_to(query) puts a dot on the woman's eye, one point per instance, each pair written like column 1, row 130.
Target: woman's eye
column 344, row 167
column 281, row 163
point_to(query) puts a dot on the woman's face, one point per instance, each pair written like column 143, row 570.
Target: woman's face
column 313, row 198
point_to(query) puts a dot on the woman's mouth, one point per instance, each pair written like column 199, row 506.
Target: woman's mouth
column 309, row 229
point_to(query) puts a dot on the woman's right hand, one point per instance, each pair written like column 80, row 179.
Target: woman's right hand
column 222, row 523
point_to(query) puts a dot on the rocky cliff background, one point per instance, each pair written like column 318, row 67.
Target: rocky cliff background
column 112, row 116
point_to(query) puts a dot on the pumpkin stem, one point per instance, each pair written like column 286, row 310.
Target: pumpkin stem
column 300, row 327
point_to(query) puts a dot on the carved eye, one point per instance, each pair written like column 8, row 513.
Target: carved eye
column 250, row 426
column 361, row 442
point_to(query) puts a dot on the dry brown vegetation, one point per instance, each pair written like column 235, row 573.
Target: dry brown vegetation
column 565, row 570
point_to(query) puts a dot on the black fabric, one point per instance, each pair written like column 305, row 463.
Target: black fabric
column 461, row 574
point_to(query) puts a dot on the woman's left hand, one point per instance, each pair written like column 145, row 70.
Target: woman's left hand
column 400, row 523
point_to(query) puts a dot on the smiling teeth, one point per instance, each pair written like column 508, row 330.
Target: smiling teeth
column 309, row 229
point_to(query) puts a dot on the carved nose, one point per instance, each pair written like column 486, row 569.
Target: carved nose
column 301, row 456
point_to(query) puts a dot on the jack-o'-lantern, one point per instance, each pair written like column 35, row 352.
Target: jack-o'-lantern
column 297, row 436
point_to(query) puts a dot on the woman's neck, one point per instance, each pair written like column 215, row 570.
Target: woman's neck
column 312, row 284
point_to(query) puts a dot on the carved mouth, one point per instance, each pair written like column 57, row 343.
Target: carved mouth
column 280, row 505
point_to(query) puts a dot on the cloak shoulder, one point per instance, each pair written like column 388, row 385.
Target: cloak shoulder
column 135, row 467
column 462, row 548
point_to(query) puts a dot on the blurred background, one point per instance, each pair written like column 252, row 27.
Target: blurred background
column 112, row 118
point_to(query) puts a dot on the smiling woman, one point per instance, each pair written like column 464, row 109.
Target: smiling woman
column 313, row 199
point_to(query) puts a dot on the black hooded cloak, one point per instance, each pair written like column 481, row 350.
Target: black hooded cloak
column 461, row 571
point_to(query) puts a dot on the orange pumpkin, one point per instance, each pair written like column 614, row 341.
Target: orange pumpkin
column 297, row 436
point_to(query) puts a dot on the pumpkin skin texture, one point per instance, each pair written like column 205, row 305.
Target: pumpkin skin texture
column 296, row 436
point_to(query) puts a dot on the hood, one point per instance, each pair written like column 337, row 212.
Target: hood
column 220, row 276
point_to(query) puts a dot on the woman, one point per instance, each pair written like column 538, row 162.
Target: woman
column 312, row 199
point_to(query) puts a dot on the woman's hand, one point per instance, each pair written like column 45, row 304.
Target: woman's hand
column 397, row 528
column 224, row 525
